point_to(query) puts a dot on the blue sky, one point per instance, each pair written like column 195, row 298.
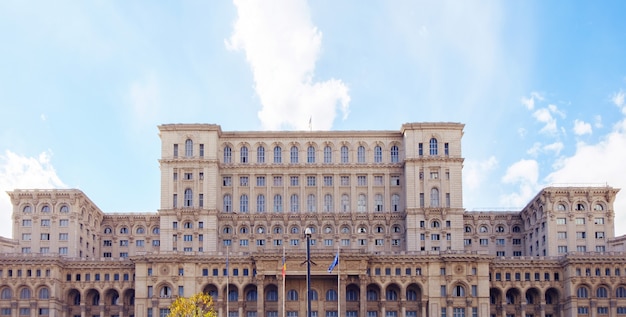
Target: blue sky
column 83, row 85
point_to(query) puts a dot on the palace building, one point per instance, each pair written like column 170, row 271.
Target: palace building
column 234, row 208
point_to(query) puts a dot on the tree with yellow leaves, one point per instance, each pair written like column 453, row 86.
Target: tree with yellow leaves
column 198, row 305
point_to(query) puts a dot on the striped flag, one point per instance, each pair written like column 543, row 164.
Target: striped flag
column 335, row 263
column 284, row 266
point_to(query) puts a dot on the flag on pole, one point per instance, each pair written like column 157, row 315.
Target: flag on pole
column 335, row 263
column 284, row 266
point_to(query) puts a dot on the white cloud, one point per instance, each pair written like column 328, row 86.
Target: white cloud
column 534, row 150
column 543, row 115
column 581, row 127
column 618, row 100
column 598, row 164
column 21, row 172
column 522, row 132
column 598, row 121
column 475, row 172
column 530, row 101
column 525, row 174
column 555, row 147
column 282, row 45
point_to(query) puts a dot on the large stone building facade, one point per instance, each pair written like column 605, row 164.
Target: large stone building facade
column 235, row 206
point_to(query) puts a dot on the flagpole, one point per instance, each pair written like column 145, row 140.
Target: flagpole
column 284, row 269
column 227, row 282
column 338, row 286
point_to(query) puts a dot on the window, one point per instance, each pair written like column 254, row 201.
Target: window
column 227, row 181
column 580, row 221
column 433, row 146
column 175, row 150
column 362, row 203
column 310, row 203
column 378, row 202
column 395, row 157
column 378, row 154
column 243, row 203
column 434, row 197
column 260, row 203
column 310, row 154
column 227, row 154
column 294, row 181
column 278, row 154
column 188, row 197
column 344, row 154
column 228, row 203
column 294, row 203
column 328, row 154
column 45, row 222
column 599, row 221
column 360, row 154
column 294, row 154
column 260, row 180
column 278, row 203
column 310, row 180
column 582, row 292
column 243, row 155
column 278, row 181
column 260, row 154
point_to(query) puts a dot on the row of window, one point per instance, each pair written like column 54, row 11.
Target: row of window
column 311, row 180
column 562, row 249
column 580, row 221
column 458, row 312
column 125, row 230
column 46, row 250
column 25, row 293
column 327, row 229
column 138, row 243
column 311, row 155
column 311, row 203
column 46, row 209
column 296, row 242
column 527, row 276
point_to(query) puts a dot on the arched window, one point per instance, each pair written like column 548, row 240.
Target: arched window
column 345, row 203
column 468, row 229
column 396, row 229
column 395, row 157
column 328, row 203
column 107, row 230
column 188, row 148
column 123, row 230
column 395, row 202
column 251, row 296
column 459, row 291
column 433, row 146
column 228, row 203
column 378, row 154
column 560, row 207
column 25, row 293
column 115, row 299
column 529, row 298
column 65, row 209
column 601, row 292
column 310, row 203
column 278, row 203
column 352, row 295
column 292, row 295
column 260, row 230
column 272, row 295
column 435, row 224
column 294, row 154
column 328, row 154
column 228, row 154
column 95, row 300
column 227, row 230
column 243, row 155
column 598, row 207
column 140, row 230
column 27, row 209
column 243, row 230
column 45, row 209
column 344, row 155
column 483, row 229
column 278, row 155
column 278, row 230
column 6, row 293
column 392, row 294
column 294, row 203
column 310, row 154
column 345, row 229
column 620, row 292
column 260, row 203
column 516, row 229
column 500, row 228
column 188, row 197
column 233, row 295
column 372, row 295
column 260, row 154
column 313, row 295
column 362, row 203
column 243, row 203
column 434, row 197
column 331, row 295
column 378, row 202
column 411, row 295
column 295, row 230
column 582, row 292
column 156, row 230
column 360, row 154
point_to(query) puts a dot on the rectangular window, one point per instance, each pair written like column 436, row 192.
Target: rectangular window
column 599, row 221
column 45, row 222
column 484, row 241
column 175, row 150
column 561, row 235
column 361, row 180
column 561, row 221
column 378, row 180
column 517, row 241
column 328, row 181
column 260, row 180
column 562, row 249
column 345, row 181
column 278, row 181
column 310, row 180
column 188, row 176
column 243, row 181
column 499, row 241
column 26, row 223
column 227, row 181
column 64, row 222
column 580, row 221
column 581, row 234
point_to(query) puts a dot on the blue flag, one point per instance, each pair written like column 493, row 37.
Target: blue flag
column 335, row 262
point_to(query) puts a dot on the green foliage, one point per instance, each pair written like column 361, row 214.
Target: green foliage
column 198, row 305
